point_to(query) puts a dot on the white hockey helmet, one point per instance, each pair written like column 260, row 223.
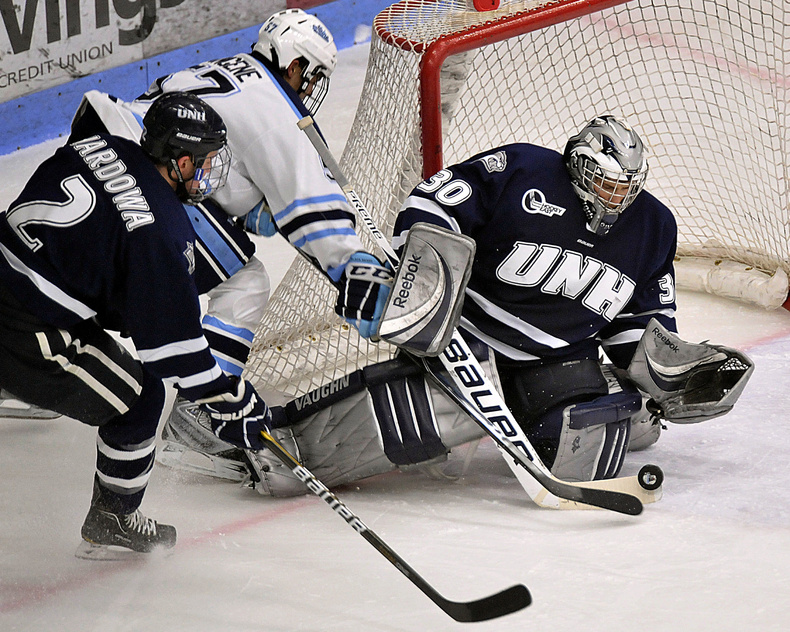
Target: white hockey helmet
column 293, row 34
column 608, row 168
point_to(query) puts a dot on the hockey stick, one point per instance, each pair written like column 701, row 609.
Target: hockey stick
column 504, row 602
column 473, row 390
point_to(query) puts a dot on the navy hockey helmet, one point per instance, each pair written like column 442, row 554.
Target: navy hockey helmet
column 608, row 168
column 180, row 124
column 293, row 34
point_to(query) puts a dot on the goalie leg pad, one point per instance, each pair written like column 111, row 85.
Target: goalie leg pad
column 404, row 411
column 645, row 431
column 271, row 476
column 577, row 415
column 384, row 417
column 594, row 437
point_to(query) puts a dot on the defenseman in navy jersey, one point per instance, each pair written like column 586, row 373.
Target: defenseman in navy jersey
column 573, row 256
column 98, row 240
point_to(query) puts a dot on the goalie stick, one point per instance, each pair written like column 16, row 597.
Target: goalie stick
column 476, row 394
column 504, row 602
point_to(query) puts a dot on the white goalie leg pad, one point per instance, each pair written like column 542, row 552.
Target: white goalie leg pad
column 688, row 382
column 645, row 430
column 594, row 437
column 427, row 294
column 269, row 474
column 370, row 422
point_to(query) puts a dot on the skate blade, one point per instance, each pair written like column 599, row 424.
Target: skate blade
column 109, row 553
column 15, row 409
column 177, row 457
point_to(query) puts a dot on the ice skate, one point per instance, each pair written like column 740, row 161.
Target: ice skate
column 111, row 536
column 189, row 444
column 12, row 407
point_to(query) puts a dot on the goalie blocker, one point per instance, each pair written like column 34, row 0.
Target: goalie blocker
column 426, row 299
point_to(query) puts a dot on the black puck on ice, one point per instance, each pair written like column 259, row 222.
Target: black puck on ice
column 650, row 477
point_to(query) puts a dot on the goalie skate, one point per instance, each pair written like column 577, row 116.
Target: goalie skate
column 190, row 445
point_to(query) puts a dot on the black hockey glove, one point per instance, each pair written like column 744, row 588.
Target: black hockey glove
column 238, row 417
column 364, row 287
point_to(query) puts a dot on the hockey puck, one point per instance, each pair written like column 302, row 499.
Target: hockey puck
column 650, row 477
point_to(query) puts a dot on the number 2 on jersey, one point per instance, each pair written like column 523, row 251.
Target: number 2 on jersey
column 80, row 203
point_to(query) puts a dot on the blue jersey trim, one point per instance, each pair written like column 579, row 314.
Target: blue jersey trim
column 319, row 199
column 239, row 332
column 321, row 234
column 217, row 246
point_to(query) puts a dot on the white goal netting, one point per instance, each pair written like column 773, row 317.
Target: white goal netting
column 704, row 82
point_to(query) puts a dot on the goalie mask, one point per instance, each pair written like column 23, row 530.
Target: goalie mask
column 294, row 34
column 688, row 383
column 180, row 124
column 607, row 164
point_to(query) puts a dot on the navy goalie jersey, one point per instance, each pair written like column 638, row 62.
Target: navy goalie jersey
column 544, row 287
column 97, row 233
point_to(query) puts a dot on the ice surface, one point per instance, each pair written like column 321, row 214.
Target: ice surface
column 712, row 555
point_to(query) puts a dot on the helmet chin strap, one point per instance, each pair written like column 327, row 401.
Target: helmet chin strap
column 181, row 187
column 597, row 222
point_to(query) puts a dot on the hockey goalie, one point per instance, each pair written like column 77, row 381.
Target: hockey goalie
column 567, row 296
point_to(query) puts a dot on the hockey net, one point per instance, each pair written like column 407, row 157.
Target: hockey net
column 703, row 83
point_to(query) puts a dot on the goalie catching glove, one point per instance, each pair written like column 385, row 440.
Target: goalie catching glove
column 688, row 383
column 238, row 417
column 363, row 289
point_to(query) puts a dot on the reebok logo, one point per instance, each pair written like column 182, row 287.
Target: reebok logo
column 412, row 267
column 665, row 339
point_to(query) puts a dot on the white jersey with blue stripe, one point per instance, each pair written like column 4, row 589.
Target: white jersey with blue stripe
column 543, row 286
column 272, row 158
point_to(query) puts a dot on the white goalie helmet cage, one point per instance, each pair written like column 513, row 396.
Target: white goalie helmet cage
column 294, row 34
column 608, row 167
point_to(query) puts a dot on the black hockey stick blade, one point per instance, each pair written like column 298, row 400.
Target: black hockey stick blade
column 602, row 498
column 505, row 602
column 508, row 601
